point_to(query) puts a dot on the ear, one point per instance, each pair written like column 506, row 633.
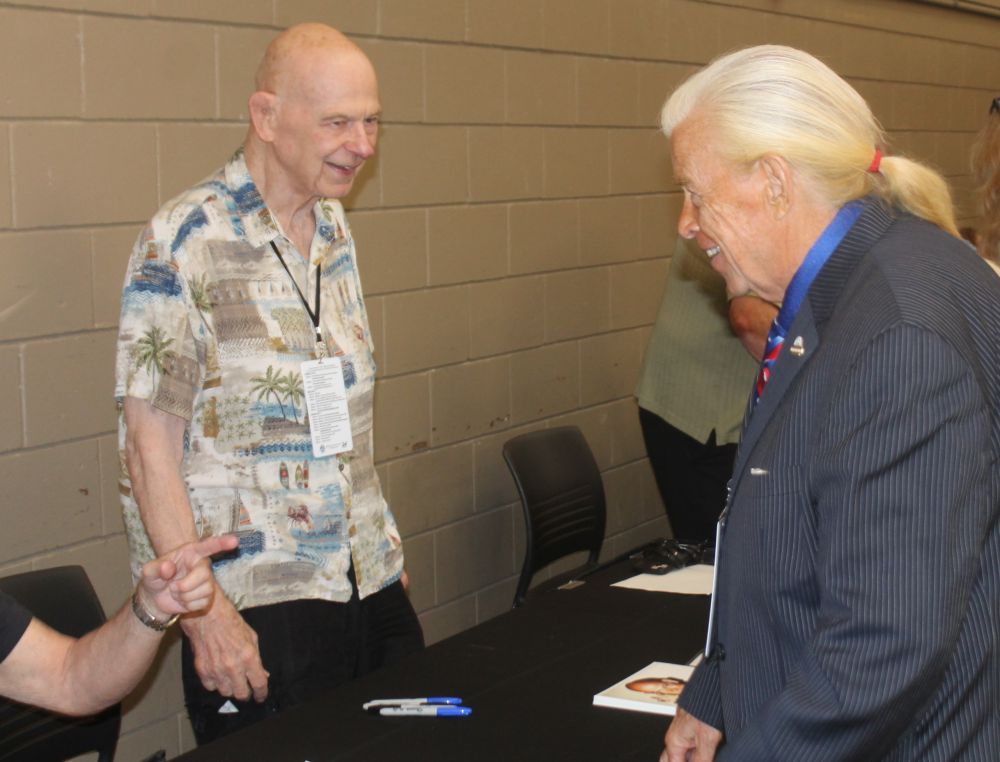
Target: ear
column 778, row 184
column 263, row 114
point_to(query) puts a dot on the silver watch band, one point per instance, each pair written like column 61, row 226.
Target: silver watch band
column 143, row 615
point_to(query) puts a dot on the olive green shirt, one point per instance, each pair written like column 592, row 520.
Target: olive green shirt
column 696, row 375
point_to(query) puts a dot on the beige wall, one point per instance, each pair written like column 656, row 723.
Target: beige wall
column 513, row 235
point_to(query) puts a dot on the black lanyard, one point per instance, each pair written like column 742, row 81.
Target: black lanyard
column 313, row 314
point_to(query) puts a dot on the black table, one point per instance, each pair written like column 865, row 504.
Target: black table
column 530, row 676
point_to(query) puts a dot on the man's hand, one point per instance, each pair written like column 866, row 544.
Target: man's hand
column 226, row 655
column 689, row 739
column 181, row 581
column 750, row 318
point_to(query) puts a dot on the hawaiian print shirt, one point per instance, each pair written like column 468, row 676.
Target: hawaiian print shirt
column 213, row 330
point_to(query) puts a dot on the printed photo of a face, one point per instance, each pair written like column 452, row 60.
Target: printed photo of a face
column 664, row 689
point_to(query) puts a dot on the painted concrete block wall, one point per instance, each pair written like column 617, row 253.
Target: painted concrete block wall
column 513, row 232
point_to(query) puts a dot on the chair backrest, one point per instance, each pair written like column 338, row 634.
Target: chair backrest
column 65, row 600
column 562, row 496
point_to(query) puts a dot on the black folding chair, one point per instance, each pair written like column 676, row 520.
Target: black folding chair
column 563, row 500
column 64, row 599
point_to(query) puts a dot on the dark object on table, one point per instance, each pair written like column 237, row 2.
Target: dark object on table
column 669, row 555
column 562, row 496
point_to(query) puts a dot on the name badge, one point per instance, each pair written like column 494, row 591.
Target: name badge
column 326, row 401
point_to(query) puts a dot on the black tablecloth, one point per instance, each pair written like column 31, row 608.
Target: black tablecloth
column 530, row 676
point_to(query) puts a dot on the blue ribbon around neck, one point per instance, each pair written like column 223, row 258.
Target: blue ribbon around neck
column 825, row 245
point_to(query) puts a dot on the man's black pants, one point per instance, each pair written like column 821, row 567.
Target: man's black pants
column 690, row 475
column 308, row 647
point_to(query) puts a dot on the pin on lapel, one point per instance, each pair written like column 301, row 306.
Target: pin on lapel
column 798, row 348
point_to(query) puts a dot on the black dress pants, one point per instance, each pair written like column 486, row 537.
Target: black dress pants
column 691, row 476
column 308, row 647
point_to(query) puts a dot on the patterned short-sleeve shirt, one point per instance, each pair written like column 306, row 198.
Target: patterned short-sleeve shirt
column 213, row 330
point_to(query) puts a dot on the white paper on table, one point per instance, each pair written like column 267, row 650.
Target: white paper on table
column 691, row 580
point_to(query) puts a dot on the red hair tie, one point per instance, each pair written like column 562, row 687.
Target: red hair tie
column 876, row 162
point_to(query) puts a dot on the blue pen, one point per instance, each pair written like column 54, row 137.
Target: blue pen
column 425, row 710
column 450, row 700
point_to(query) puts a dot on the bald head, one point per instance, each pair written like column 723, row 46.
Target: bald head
column 313, row 118
column 294, row 53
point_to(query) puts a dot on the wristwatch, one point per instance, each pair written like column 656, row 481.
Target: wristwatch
column 143, row 615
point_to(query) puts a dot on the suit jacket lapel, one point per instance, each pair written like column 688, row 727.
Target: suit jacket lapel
column 808, row 324
column 799, row 347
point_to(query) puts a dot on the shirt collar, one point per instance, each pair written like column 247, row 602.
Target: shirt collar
column 259, row 225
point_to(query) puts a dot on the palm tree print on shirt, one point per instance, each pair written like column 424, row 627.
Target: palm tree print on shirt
column 285, row 388
column 152, row 351
column 270, row 384
column 291, row 386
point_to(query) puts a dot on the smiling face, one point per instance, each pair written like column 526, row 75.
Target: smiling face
column 324, row 123
column 726, row 212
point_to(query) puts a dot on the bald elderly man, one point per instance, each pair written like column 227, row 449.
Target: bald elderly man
column 244, row 380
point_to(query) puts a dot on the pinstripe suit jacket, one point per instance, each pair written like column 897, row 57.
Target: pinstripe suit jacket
column 860, row 569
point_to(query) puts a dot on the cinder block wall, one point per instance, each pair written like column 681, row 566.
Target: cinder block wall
column 513, row 235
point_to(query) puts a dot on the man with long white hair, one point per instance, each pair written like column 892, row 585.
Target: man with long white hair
column 855, row 613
